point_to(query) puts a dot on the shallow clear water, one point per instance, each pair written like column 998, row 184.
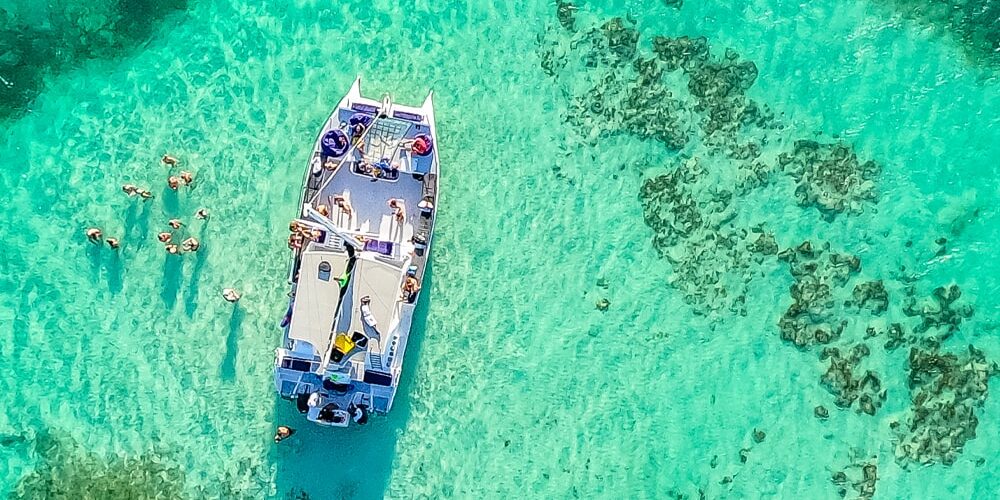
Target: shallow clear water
column 518, row 384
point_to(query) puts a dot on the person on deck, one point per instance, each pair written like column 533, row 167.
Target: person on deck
column 398, row 209
column 410, row 288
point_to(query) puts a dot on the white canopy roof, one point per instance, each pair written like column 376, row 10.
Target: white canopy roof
column 316, row 298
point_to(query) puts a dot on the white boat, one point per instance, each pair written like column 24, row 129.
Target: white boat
column 360, row 244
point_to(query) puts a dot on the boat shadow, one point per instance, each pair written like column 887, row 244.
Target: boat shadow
column 355, row 462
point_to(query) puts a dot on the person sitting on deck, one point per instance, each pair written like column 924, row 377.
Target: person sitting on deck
column 357, row 136
column 426, row 206
column 398, row 209
column 410, row 288
column 323, row 210
column 341, row 201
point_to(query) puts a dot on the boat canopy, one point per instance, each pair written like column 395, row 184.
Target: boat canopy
column 317, row 294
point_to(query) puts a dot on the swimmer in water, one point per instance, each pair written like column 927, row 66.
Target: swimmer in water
column 283, row 433
column 145, row 194
column 201, row 214
column 169, row 160
column 230, row 294
column 164, row 237
column 190, row 245
column 175, row 223
column 174, row 182
column 187, row 178
column 130, row 189
column 113, row 243
column 172, row 249
column 94, row 235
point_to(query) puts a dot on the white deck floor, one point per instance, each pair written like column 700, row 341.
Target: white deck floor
column 370, row 201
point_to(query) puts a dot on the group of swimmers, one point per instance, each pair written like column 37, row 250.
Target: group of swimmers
column 191, row 244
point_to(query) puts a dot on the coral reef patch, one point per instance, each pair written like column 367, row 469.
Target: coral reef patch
column 946, row 390
column 724, row 149
column 65, row 471
column 40, row 38
column 973, row 23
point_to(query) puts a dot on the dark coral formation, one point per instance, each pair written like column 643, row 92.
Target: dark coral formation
column 694, row 101
column 940, row 311
column 945, row 390
column 65, row 471
column 830, row 177
column 812, row 318
column 718, row 85
column 843, row 380
column 58, row 34
column 690, row 222
column 860, row 476
column 974, row 23
column 871, row 296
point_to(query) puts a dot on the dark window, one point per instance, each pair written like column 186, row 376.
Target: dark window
column 324, row 271
column 296, row 364
column 378, row 378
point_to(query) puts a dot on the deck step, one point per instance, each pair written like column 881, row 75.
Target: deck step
column 376, row 360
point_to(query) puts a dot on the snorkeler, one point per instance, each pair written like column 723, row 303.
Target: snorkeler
column 230, row 294
column 191, row 244
column 283, row 433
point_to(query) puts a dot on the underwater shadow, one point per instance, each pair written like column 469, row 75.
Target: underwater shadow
column 191, row 295
column 171, row 201
column 227, row 370
column 173, row 269
column 115, row 272
column 355, row 462
column 137, row 224
column 94, row 256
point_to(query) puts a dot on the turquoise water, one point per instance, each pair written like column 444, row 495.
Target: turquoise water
column 125, row 371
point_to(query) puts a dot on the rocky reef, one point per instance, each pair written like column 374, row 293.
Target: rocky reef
column 727, row 150
column 973, row 23
column 38, row 38
column 689, row 222
column 830, row 177
column 843, row 380
column 940, row 311
column 65, row 471
column 945, row 391
column 811, row 318
column 861, row 477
